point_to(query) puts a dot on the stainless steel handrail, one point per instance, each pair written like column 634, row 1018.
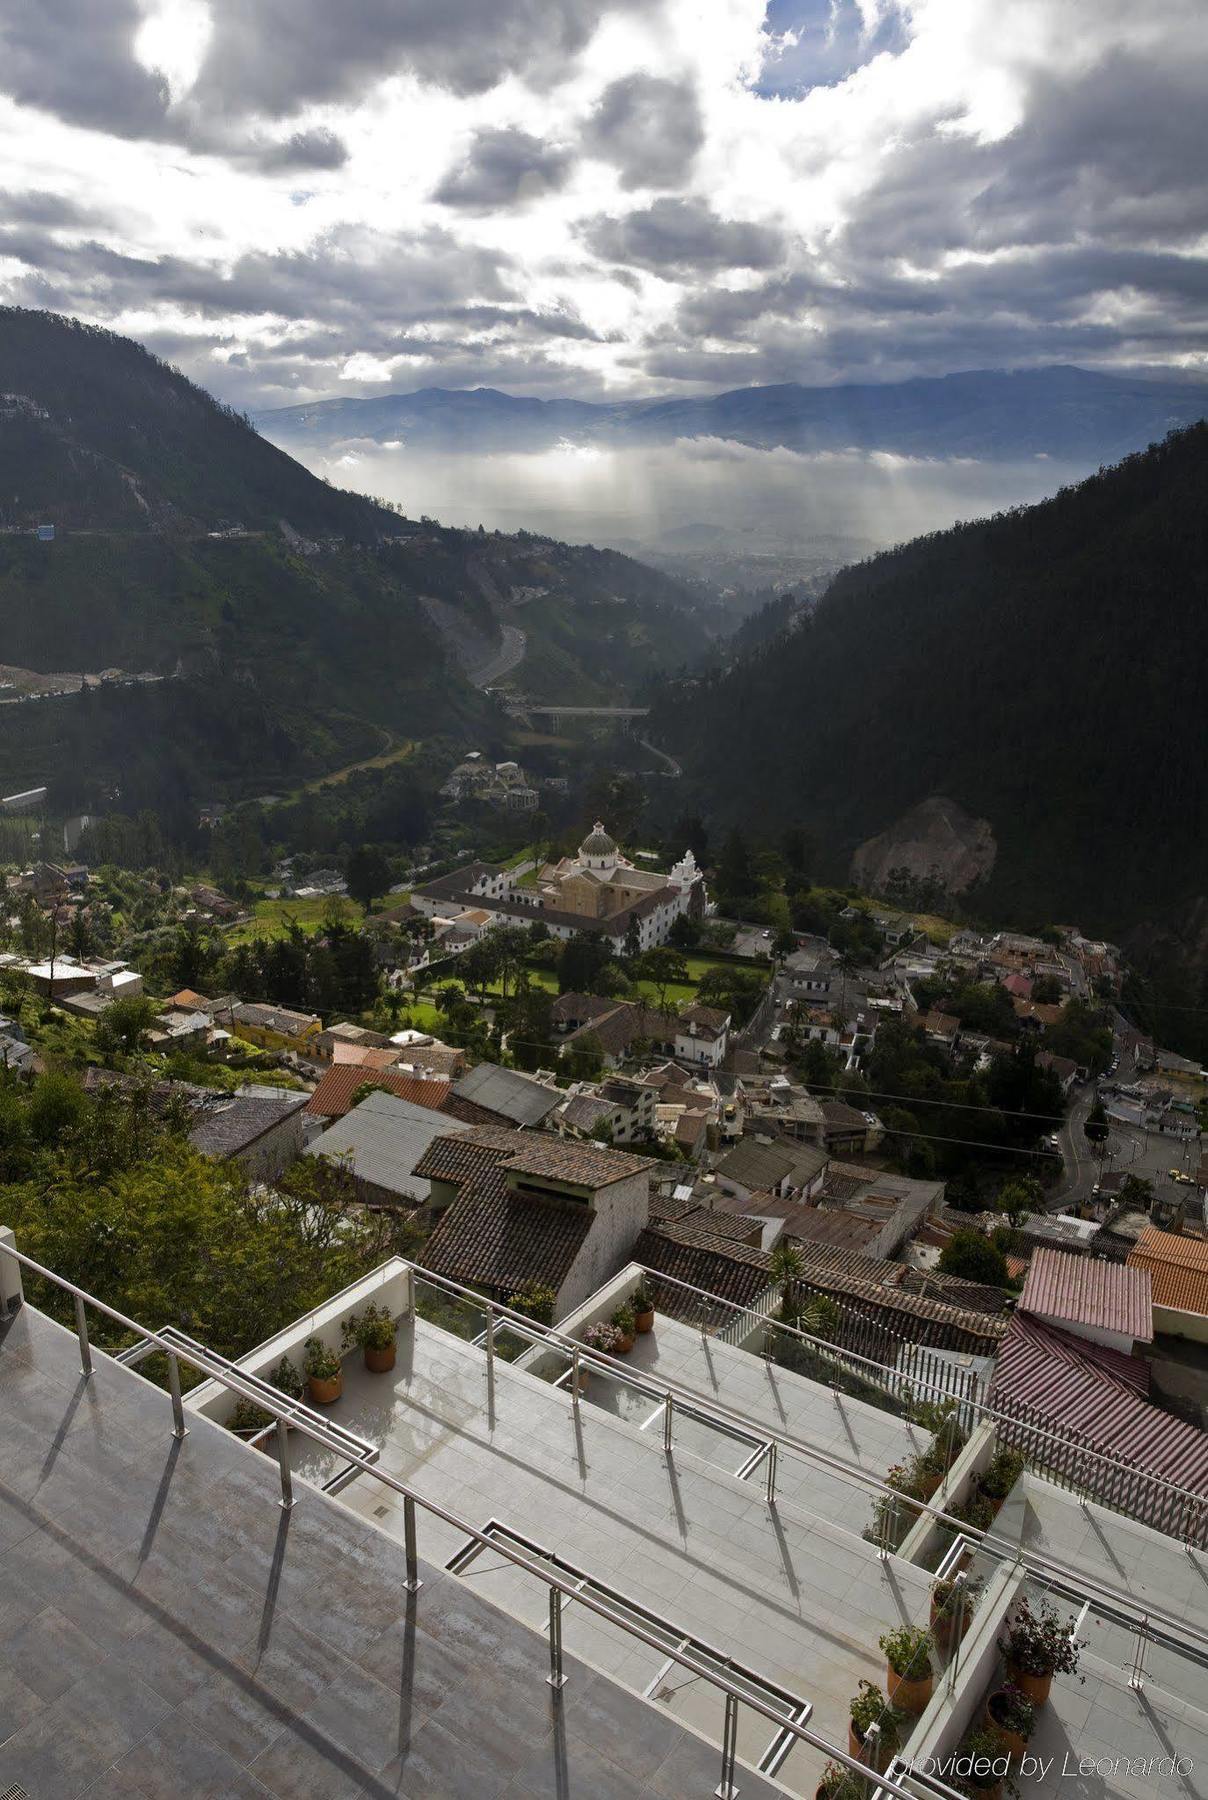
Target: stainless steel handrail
column 734, row 1695
column 759, row 1321
column 1177, row 1632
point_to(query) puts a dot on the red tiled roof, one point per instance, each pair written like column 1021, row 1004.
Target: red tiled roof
column 332, row 1099
column 1178, row 1268
column 494, row 1238
column 1079, row 1290
column 1096, row 1396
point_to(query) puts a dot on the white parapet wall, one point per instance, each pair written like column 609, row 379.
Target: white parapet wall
column 957, row 1700
column 391, row 1285
column 11, row 1291
column 600, row 1305
column 962, row 1478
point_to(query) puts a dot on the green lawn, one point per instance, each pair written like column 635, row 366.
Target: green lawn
column 270, row 918
column 679, row 994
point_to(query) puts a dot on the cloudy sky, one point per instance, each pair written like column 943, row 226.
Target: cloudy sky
column 300, row 198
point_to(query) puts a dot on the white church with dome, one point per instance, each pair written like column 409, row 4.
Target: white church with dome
column 598, row 889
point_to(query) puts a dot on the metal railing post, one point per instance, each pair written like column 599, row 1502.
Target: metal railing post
column 491, row 1351
column 413, row 1583
column 574, row 1378
column 958, row 1625
column 1136, row 1680
column 556, row 1677
column 287, row 1479
column 889, row 1528
column 179, row 1428
column 82, row 1334
column 726, row 1789
column 668, row 1410
column 771, row 1489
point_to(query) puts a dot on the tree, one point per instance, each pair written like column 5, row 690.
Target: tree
column 1047, row 991
column 735, row 871
column 1096, row 1126
column 786, row 1266
column 367, row 873
column 583, row 1058
column 633, row 936
column 123, row 1026
column 1019, row 1198
column 974, row 1258
column 663, row 968
column 582, row 964
column 685, row 932
column 734, row 990
column 689, row 833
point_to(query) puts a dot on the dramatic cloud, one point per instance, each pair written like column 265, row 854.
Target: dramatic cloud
column 649, row 129
column 559, row 196
column 678, row 236
column 504, row 168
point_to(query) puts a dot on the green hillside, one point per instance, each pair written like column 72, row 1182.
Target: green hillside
column 1043, row 669
column 301, row 620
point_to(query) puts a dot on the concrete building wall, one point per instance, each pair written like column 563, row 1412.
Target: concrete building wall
column 622, row 1211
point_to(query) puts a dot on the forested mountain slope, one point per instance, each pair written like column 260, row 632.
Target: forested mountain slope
column 188, row 547
column 1044, row 669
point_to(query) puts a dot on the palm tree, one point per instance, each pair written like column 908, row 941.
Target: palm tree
column 787, row 1265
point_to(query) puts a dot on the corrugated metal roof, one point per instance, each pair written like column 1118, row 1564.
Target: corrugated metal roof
column 506, row 1092
column 383, row 1139
column 1067, row 1384
column 1082, row 1291
column 1178, row 1268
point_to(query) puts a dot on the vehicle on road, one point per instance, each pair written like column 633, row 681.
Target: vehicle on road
column 1180, row 1175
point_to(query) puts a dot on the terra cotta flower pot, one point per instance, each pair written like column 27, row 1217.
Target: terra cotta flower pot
column 910, row 1693
column 380, row 1362
column 1036, row 1687
column 325, row 1393
column 1013, row 1744
column 644, row 1321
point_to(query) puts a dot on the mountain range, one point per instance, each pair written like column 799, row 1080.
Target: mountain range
column 1026, row 690
column 1066, row 413
column 292, row 624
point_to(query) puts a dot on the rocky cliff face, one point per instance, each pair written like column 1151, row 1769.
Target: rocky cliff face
column 936, row 841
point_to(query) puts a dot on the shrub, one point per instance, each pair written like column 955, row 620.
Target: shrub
column 286, row 1379
column 944, row 1596
column 624, row 1321
column 1040, row 1642
column 908, row 1651
column 870, row 1707
column 1002, row 1472
column 372, row 1329
column 321, row 1363
column 536, row 1301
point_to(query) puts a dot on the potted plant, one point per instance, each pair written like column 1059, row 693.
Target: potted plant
column 286, row 1379
column 642, row 1302
column 247, row 1419
column 946, row 1603
column 981, row 1766
column 1012, row 1716
column 1000, row 1476
column 374, row 1331
column 977, row 1511
column 908, row 1656
column 603, row 1337
column 869, row 1707
column 1038, row 1645
column 947, row 1442
column 839, row 1783
column 324, row 1375
column 625, row 1321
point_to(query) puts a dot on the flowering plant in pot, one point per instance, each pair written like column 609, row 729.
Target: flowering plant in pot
column 1011, row 1715
column 625, row 1321
column 324, row 1375
column 642, row 1302
column 908, row 1656
column 1038, row 1645
column 869, row 1708
column 839, row 1783
column 603, row 1336
column 947, row 1606
column 374, row 1331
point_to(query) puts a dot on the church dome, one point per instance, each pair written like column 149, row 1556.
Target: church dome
column 597, row 843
